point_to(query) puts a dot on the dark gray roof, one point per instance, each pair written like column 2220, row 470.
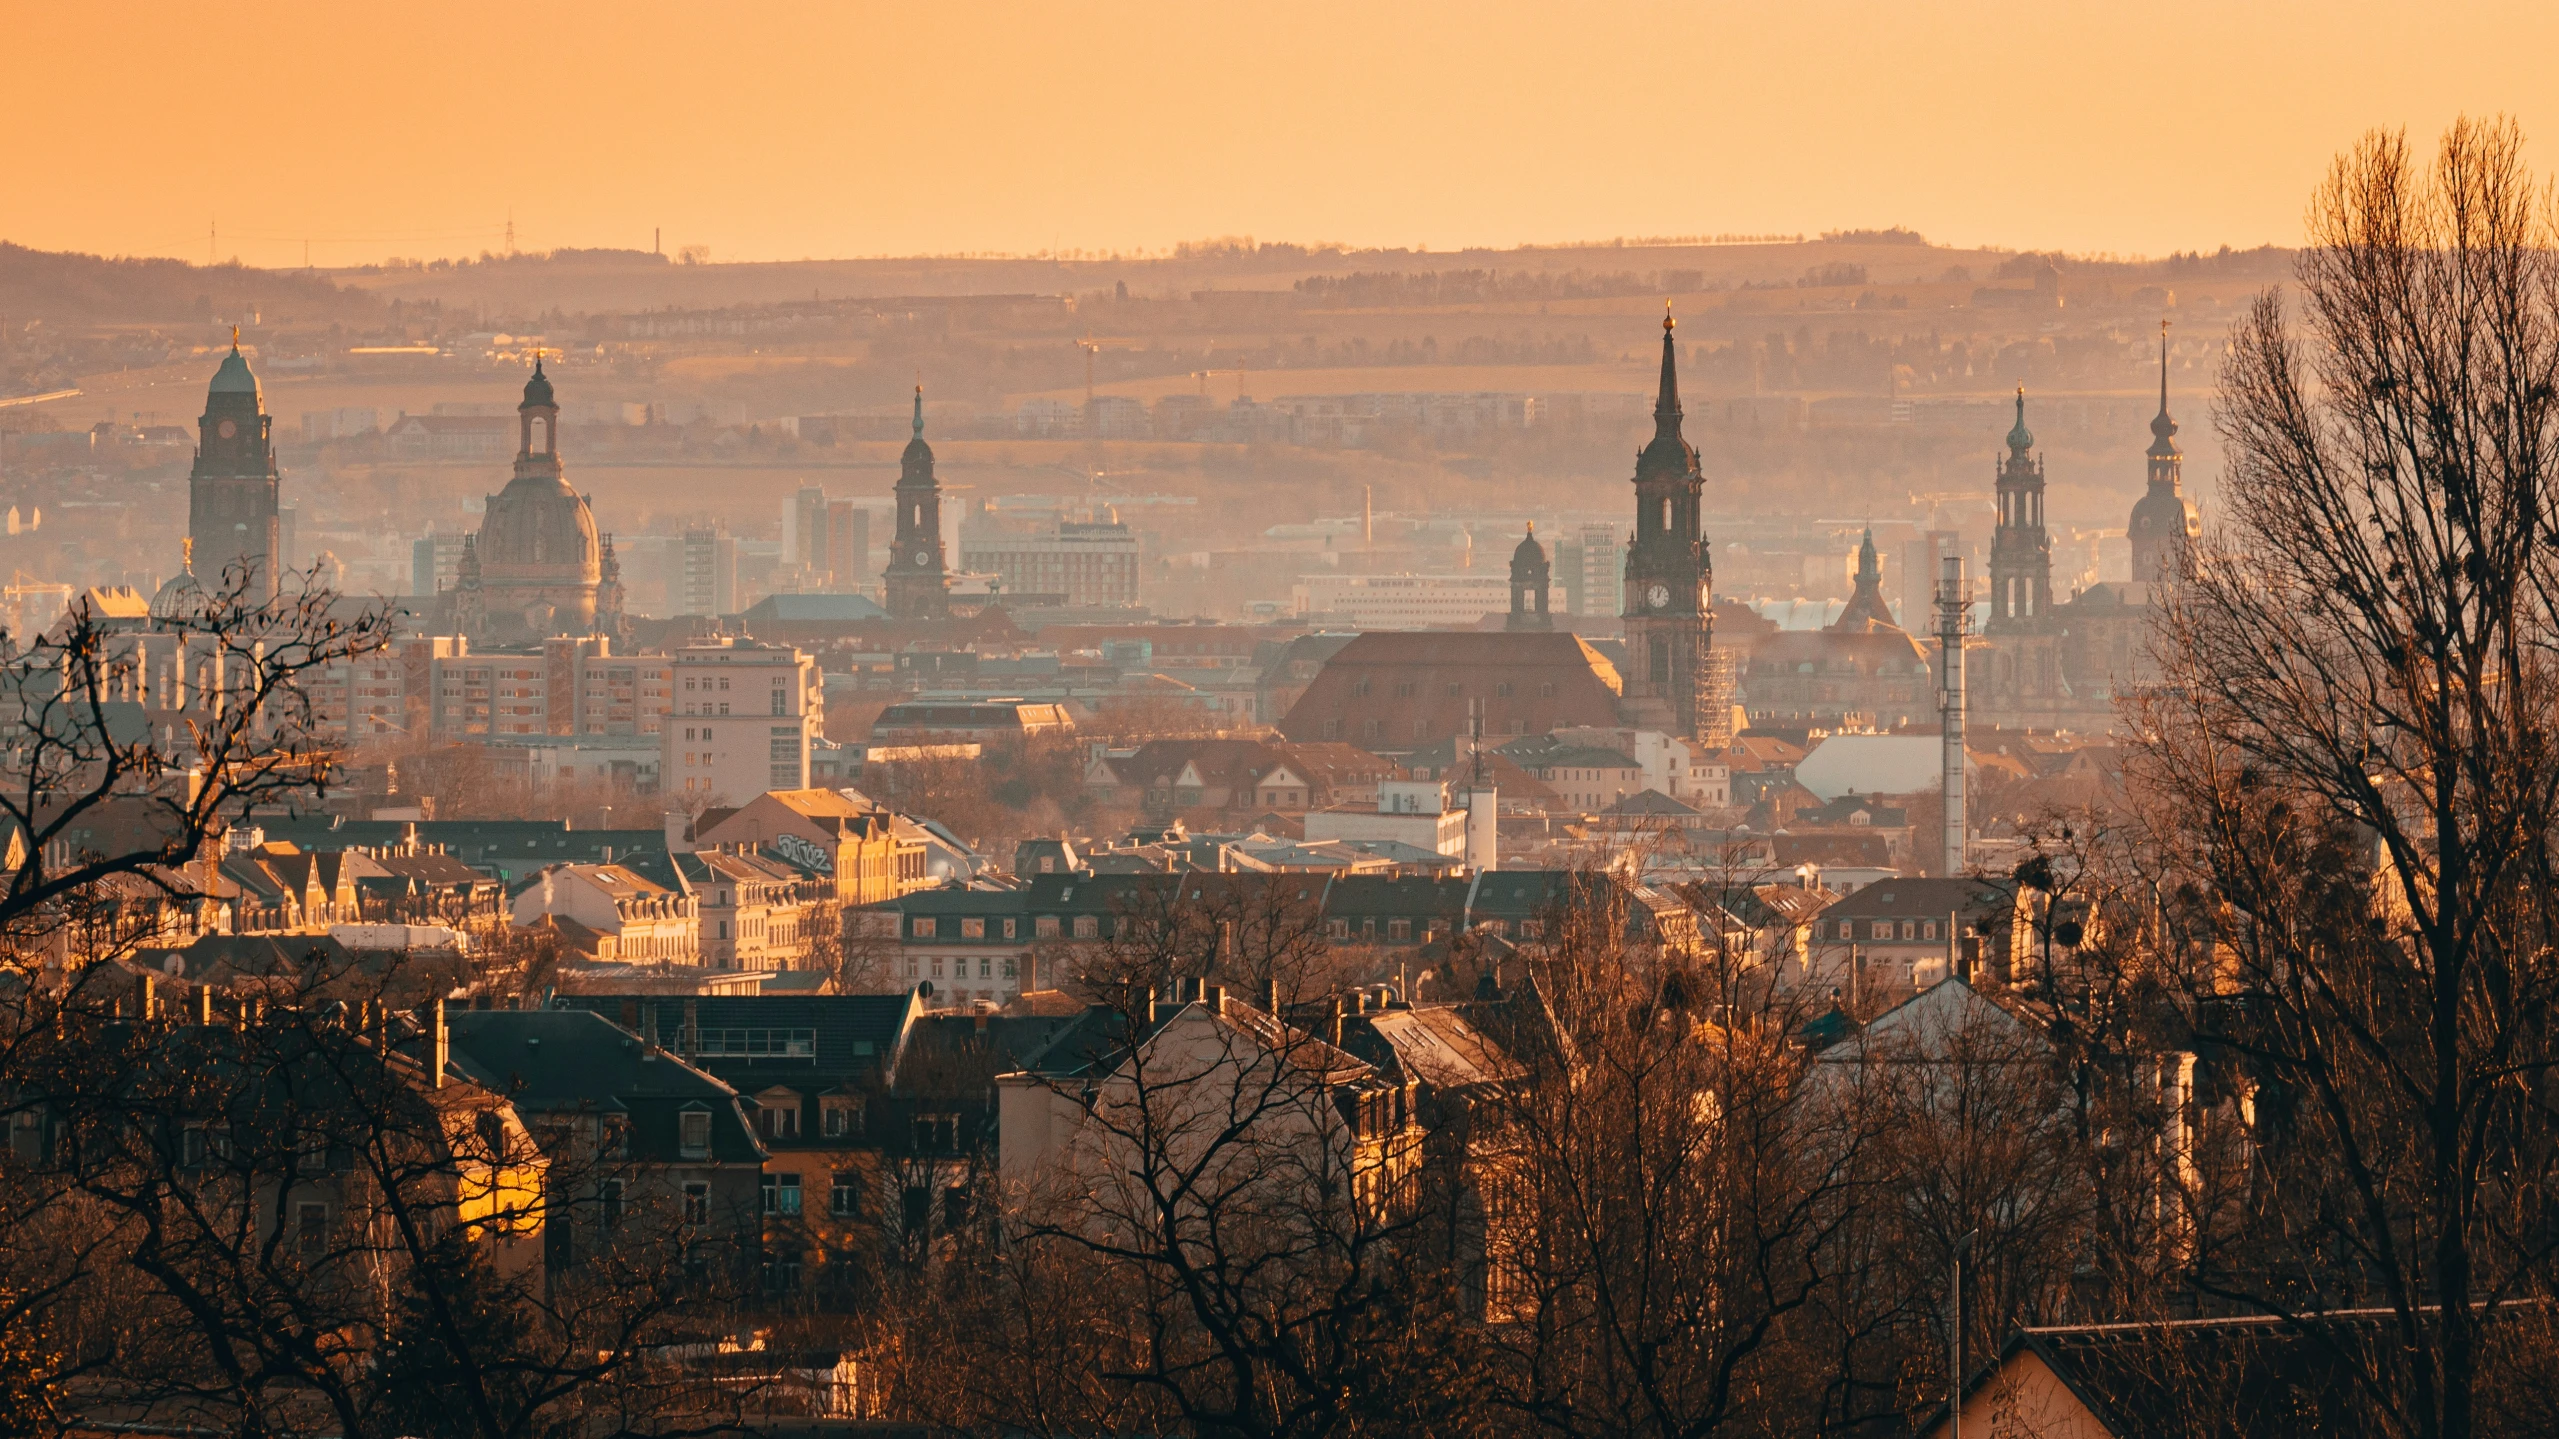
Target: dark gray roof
column 568, row 1059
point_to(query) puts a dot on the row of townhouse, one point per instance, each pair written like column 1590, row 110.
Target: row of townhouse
column 984, row 943
column 759, row 887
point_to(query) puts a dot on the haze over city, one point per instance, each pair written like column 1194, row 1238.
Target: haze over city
column 1497, row 721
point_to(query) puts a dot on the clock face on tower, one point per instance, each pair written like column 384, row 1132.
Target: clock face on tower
column 1658, row 596
column 227, row 429
column 922, row 558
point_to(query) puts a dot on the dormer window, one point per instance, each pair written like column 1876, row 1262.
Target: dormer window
column 693, row 1132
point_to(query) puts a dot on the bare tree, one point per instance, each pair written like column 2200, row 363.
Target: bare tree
column 237, row 673
column 2357, row 730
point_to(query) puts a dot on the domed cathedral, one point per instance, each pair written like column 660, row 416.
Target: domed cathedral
column 918, row 581
column 231, row 491
column 1669, row 604
column 2017, row 679
column 2164, row 525
column 535, row 567
column 1531, row 578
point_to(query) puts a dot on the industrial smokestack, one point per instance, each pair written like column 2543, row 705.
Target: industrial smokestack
column 1953, row 615
column 1483, row 802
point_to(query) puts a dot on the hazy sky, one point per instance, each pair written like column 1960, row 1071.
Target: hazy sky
column 778, row 130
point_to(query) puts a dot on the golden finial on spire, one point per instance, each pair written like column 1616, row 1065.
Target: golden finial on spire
column 186, row 554
column 235, row 339
column 1667, row 321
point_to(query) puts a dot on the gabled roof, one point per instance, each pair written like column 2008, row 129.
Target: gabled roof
column 1434, row 1045
column 1653, row 803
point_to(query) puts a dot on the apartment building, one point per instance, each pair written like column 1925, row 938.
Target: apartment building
column 743, row 718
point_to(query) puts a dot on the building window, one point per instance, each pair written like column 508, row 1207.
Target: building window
column 693, row 1133
column 840, row 1119
column 1338, row 928
column 311, row 1229
column 936, row 1133
column 1008, row 928
column 972, row 928
column 1044, row 927
column 1399, row 929
column 697, row 1202
column 781, row 1194
column 923, row 926
column 1928, row 930
column 844, row 1195
column 780, row 1120
column 1088, row 926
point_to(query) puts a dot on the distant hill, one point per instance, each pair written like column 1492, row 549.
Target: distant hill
column 66, row 288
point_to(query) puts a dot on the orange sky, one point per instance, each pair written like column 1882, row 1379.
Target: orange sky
column 778, row 130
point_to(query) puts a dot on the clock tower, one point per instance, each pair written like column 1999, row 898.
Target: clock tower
column 1669, row 576
column 917, row 583
column 231, row 492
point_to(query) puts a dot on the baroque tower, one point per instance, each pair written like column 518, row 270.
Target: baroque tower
column 1669, row 607
column 2021, row 551
column 917, row 582
column 231, row 492
column 539, row 559
column 1531, row 577
column 2164, row 525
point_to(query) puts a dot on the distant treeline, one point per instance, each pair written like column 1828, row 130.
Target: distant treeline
column 62, row 287
column 1391, row 289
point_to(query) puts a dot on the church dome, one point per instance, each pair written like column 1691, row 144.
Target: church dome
column 538, row 529
column 537, row 391
column 180, row 597
column 234, row 377
column 1530, row 552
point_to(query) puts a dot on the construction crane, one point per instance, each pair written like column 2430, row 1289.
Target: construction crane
column 1939, row 499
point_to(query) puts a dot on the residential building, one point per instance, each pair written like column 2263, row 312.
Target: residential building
column 611, row 912
column 684, row 1160
column 857, row 845
column 744, row 715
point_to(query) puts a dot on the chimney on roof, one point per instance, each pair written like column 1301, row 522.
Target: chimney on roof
column 439, row 1041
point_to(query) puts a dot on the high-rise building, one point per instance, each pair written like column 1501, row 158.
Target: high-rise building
column 2021, row 550
column 708, row 584
column 743, row 718
column 1669, row 604
column 918, row 581
column 231, row 491
column 435, row 562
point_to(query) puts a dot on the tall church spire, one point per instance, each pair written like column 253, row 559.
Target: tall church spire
column 2164, row 524
column 919, row 412
column 2163, row 430
column 1666, row 411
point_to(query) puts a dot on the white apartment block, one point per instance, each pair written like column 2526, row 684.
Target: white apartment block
column 1093, row 564
column 1406, row 601
column 744, row 715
